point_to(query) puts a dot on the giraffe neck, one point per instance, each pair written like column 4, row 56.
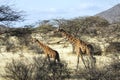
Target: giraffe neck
column 41, row 45
column 70, row 38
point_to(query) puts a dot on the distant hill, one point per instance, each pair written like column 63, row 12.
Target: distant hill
column 3, row 28
column 112, row 14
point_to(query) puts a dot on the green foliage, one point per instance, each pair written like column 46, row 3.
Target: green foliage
column 95, row 21
column 83, row 25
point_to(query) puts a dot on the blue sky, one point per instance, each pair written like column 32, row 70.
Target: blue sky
column 36, row 10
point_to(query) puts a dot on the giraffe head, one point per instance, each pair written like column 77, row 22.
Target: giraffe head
column 59, row 30
column 34, row 40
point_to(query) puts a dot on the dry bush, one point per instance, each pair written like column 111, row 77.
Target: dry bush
column 111, row 72
column 50, row 71
column 20, row 35
column 113, row 47
column 97, row 50
column 36, row 49
column 39, row 70
column 17, row 70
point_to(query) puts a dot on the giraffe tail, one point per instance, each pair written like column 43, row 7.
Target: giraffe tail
column 57, row 56
column 92, row 52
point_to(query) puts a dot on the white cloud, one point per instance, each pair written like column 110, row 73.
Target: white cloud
column 36, row 10
column 52, row 10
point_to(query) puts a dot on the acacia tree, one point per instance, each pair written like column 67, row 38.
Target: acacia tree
column 91, row 26
column 8, row 14
column 71, row 26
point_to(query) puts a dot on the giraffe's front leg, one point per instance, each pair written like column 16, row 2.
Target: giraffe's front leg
column 54, row 61
column 92, row 59
column 77, row 50
column 47, row 57
column 81, row 56
column 78, row 61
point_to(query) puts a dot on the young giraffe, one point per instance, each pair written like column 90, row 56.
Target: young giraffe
column 80, row 46
column 49, row 52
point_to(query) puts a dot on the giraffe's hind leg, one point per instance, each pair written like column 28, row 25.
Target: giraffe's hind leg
column 93, row 62
column 54, row 61
column 77, row 61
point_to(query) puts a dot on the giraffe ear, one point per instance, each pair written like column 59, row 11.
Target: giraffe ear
column 59, row 28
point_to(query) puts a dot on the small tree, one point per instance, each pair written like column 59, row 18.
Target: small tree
column 8, row 14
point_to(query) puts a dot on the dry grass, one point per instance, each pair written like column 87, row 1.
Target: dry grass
column 65, row 54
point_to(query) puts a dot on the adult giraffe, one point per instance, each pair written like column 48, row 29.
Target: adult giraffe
column 49, row 52
column 80, row 46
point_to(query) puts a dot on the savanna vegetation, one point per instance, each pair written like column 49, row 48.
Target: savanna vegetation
column 104, row 36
